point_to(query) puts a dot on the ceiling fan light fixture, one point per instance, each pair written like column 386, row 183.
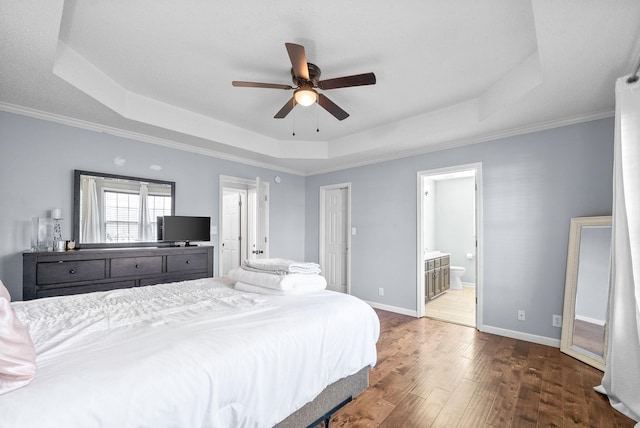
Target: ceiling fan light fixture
column 305, row 96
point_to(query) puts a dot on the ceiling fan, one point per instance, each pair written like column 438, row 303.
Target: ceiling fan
column 306, row 78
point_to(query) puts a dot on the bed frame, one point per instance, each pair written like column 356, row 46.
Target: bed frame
column 330, row 400
column 48, row 274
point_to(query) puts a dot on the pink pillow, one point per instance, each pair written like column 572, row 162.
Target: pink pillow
column 17, row 353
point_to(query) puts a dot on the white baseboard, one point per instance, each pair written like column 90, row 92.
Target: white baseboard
column 469, row 284
column 542, row 340
column 394, row 309
column 591, row 320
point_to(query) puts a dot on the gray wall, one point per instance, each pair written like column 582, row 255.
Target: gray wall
column 533, row 184
column 455, row 217
column 37, row 159
column 429, row 225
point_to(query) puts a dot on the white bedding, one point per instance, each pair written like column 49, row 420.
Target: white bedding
column 190, row 354
column 306, row 289
column 281, row 266
column 277, row 281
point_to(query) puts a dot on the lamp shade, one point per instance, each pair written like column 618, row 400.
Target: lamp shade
column 305, row 97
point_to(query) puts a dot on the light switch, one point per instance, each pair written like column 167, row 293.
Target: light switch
column 214, row 230
column 353, row 231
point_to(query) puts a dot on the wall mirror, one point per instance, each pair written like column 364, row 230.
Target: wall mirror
column 118, row 211
column 586, row 298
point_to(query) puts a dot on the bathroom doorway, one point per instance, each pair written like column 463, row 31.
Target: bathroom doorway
column 449, row 244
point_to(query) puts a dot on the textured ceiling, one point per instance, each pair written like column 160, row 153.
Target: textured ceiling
column 448, row 72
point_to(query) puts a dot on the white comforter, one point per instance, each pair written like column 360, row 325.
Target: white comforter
column 190, row 354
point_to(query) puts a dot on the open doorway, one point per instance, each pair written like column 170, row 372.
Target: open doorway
column 244, row 221
column 449, row 244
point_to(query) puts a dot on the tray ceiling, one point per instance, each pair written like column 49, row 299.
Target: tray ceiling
column 448, row 73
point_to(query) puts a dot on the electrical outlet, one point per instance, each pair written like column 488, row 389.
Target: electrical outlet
column 521, row 315
column 380, row 291
column 556, row 320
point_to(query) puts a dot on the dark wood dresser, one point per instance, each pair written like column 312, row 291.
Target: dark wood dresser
column 48, row 274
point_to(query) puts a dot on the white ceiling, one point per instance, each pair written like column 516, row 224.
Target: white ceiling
column 448, row 72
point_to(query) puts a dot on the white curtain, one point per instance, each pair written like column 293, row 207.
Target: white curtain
column 621, row 381
column 145, row 232
column 90, row 216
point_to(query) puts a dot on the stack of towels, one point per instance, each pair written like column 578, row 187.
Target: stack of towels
column 278, row 276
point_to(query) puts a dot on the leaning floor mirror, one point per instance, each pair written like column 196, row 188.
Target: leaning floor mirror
column 584, row 328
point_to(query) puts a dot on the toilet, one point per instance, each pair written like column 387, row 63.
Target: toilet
column 455, row 273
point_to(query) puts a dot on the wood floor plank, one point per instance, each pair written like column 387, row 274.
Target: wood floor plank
column 431, row 373
column 455, row 407
column 551, row 393
column 416, row 411
column 366, row 410
column 574, row 411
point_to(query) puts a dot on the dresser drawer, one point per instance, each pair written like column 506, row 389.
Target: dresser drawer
column 85, row 288
column 69, row 271
column 436, row 262
column 429, row 264
column 444, row 261
column 131, row 266
column 186, row 262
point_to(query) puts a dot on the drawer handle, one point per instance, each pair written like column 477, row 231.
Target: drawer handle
column 137, row 265
column 72, row 271
column 188, row 262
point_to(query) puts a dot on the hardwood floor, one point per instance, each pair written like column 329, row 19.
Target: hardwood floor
column 457, row 306
column 589, row 336
column 434, row 374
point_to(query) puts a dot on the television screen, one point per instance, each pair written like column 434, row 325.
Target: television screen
column 184, row 228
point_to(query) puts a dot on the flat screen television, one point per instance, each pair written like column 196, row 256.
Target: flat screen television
column 178, row 228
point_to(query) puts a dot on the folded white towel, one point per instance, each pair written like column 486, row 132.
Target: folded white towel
column 281, row 266
column 296, row 291
column 275, row 281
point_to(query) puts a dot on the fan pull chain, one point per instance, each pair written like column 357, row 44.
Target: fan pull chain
column 293, row 117
column 317, row 119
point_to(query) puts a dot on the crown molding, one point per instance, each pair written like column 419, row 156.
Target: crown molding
column 91, row 126
column 542, row 126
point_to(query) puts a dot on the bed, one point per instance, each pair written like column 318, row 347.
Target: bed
column 191, row 354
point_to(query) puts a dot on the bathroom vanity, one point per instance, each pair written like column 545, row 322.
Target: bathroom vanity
column 436, row 274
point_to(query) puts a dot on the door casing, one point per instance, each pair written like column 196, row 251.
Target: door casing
column 420, row 293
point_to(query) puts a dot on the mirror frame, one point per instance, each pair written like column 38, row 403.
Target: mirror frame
column 570, row 291
column 76, row 209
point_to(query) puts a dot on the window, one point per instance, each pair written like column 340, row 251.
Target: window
column 122, row 213
column 158, row 206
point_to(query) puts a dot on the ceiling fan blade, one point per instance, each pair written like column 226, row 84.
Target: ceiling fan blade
column 260, row 85
column 284, row 111
column 332, row 107
column 347, row 81
column 298, row 60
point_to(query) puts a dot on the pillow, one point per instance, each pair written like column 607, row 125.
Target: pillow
column 17, row 353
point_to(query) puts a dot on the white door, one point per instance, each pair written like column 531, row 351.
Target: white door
column 262, row 219
column 252, row 238
column 231, row 231
column 336, row 238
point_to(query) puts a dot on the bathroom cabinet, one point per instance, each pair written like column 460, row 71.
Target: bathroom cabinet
column 436, row 274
